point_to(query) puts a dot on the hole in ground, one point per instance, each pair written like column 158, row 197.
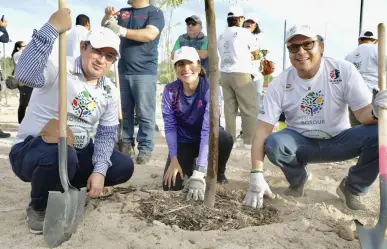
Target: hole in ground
column 171, row 208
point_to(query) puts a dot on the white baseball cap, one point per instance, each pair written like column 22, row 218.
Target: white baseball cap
column 303, row 29
column 252, row 17
column 235, row 11
column 368, row 34
column 186, row 53
column 102, row 37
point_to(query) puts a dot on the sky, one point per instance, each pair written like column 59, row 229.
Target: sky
column 336, row 20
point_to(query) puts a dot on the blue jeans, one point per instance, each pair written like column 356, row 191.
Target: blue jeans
column 139, row 91
column 36, row 161
column 259, row 84
column 292, row 152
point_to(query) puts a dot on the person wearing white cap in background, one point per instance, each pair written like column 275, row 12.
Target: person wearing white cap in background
column 185, row 108
column 236, row 45
column 91, row 98
column 314, row 94
column 365, row 59
column 251, row 23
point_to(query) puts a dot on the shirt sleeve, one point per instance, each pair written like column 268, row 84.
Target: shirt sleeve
column 177, row 45
column 156, row 18
column 203, row 149
column 170, row 124
column 272, row 103
column 110, row 116
column 34, row 68
column 356, row 92
column 204, row 45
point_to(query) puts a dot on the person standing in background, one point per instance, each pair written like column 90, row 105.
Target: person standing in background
column 139, row 28
column 76, row 35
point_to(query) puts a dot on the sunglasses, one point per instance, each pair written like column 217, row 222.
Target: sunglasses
column 191, row 23
column 306, row 45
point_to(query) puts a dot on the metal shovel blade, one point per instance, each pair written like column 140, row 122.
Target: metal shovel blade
column 373, row 238
column 64, row 212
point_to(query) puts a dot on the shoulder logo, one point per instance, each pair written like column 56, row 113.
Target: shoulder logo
column 335, row 77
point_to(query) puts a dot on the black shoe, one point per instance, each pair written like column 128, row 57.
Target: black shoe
column 222, row 179
column 35, row 220
column 4, row 134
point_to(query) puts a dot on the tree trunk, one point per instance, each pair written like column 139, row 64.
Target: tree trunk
column 212, row 169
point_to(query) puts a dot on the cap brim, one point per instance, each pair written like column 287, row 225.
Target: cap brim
column 309, row 35
column 102, row 44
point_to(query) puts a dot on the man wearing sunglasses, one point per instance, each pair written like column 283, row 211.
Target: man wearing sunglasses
column 91, row 98
column 194, row 38
column 315, row 94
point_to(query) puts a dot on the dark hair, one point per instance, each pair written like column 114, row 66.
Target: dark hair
column 256, row 31
column 233, row 21
column 319, row 37
column 365, row 39
column 17, row 47
column 82, row 20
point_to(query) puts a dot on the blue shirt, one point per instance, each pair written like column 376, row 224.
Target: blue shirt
column 140, row 58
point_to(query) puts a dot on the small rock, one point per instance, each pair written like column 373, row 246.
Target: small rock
column 154, row 175
column 330, row 167
column 175, row 228
column 345, row 232
column 193, row 242
column 98, row 209
column 120, row 197
column 158, row 223
column 109, row 217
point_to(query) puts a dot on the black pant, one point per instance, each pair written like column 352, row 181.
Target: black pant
column 188, row 152
column 24, row 99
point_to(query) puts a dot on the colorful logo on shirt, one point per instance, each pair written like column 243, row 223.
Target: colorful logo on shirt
column 107, row 91
column 334, row 76
column 125, row 15
column 312, row 103
column 84, row 104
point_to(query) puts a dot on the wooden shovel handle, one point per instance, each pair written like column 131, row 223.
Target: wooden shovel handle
column 382, row 122
column 62, row 80
column 117, row 79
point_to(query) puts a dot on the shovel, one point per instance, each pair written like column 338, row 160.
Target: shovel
column 373, row 238
column 120, row 143
column 64, row 210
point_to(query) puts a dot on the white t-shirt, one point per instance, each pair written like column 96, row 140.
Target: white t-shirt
column 16, row 57
column 365, row 59
column 234, row 47
column 86, row 105
column 318, row 107
column 73, row 40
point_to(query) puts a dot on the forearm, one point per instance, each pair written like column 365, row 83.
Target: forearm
column 32, row 62
column 365, row 117
column 140, row 35
column 104, row 20
column 202, row 54
column 171, row 137
column 105, row 139
column 257, row 149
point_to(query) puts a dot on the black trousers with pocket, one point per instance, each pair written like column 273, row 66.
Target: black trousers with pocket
column 188, row 152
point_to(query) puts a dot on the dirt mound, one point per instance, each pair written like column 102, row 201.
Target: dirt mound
column 171, row 208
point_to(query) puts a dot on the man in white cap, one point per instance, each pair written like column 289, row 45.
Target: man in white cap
column 91, row 98
column 365, row 59
column 236, row 45
column 314, row 94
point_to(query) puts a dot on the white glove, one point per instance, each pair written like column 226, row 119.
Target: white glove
column 379, row 101
column 257, row 188
column 117, row 29
column 196, row 186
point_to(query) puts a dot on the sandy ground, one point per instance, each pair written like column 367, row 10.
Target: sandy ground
column 314, row 221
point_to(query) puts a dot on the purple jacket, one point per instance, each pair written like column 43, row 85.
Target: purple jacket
column 186, row 118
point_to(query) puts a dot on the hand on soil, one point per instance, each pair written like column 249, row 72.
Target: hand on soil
column 173, row 169
column 196, row 186
column 257, row 188
column 95, row 185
